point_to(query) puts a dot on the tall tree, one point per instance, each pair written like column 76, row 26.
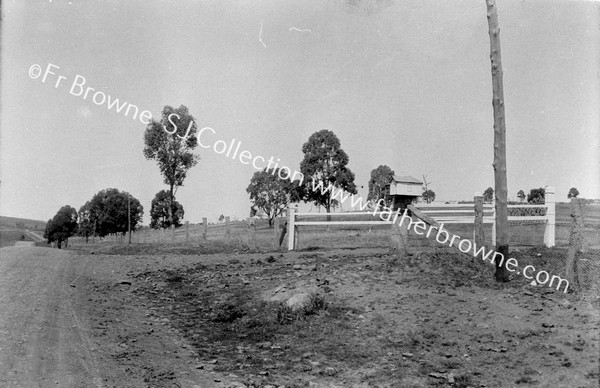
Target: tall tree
column 500, row 181
column 86, row 223
column 326, row 162
column 108, row 211
column 428, row 196
column 379, row 184
column 159, row 211
column 271, row 194
column 170, row 142
column 62, row 226
column 573, row 193
column 537, row 196
column 488, row 195
column 426, row 190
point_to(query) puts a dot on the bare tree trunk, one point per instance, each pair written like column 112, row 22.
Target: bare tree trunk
column 171, row 225
column 499, row 164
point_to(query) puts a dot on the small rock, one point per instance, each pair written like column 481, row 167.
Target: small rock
column 408, row 355
column 298, row 301
column 264, row 345
column 530, row 371
column 450, row 378
column 329, row 371
column 297, row 267
column 438, row 375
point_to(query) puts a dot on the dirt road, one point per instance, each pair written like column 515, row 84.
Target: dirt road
column 43, row 341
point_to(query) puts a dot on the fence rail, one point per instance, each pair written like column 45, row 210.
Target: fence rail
column 476, row 213
column 489, row 216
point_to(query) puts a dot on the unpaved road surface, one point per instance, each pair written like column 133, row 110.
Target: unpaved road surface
column 55, row 330
column 43, row 341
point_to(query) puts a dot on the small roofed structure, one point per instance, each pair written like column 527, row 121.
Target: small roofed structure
column 404, row 190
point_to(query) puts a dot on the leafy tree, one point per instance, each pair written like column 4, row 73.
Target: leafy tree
column 488, row 195
column 325, row 162
column 221, row 218
column 272, row 194
column 253, row 211
column 62, row 226
column 379, row 184
column 170, row 142
column 108, row 212
column 573, row 193
column 537, row 196
column 428, row 195
column 159, row 211
column 86, row 224
column 521, row 195
column 48, row 231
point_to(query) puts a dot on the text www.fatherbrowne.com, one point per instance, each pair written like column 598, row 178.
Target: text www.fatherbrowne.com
column 442, row 235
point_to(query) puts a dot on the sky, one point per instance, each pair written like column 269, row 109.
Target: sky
column 405, row 84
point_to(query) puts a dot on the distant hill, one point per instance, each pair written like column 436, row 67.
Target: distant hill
column 10, row 223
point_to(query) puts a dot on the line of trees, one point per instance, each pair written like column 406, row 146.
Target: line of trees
column 110, row 211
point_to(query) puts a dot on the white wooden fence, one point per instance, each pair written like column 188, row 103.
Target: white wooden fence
column 293, row 223
column 446, row 213
column 466, row 214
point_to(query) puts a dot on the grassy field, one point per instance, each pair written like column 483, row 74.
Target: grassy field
column 12, row 229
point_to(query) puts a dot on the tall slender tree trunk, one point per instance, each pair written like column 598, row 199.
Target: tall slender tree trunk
column 499, row 164
column 170, row 206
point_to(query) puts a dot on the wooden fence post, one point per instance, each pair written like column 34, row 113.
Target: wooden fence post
column 276, row 233
column 291, row 229
column 187, row 232
column 550, row 201
column 204, row 228
column 253, row 234
column 575, row 241
column 227, row 230
column 478, row 235
column 399, row 239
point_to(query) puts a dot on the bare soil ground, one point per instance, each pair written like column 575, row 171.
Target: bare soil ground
column 174, row 316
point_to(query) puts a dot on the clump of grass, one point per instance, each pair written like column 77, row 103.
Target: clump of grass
column 173, row 276
column 227, row 312
column 286, row 314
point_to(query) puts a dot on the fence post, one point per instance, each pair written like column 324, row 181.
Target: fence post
column 291, row 229
column 173, row 234
column 549, row 233
column 227, row 231
column 253, row 234
column 276, row 233
column 575, row 242
column 478, row 236
column 204, row 228
column 187, row 232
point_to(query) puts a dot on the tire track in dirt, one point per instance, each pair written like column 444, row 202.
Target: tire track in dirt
column 43, row 341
